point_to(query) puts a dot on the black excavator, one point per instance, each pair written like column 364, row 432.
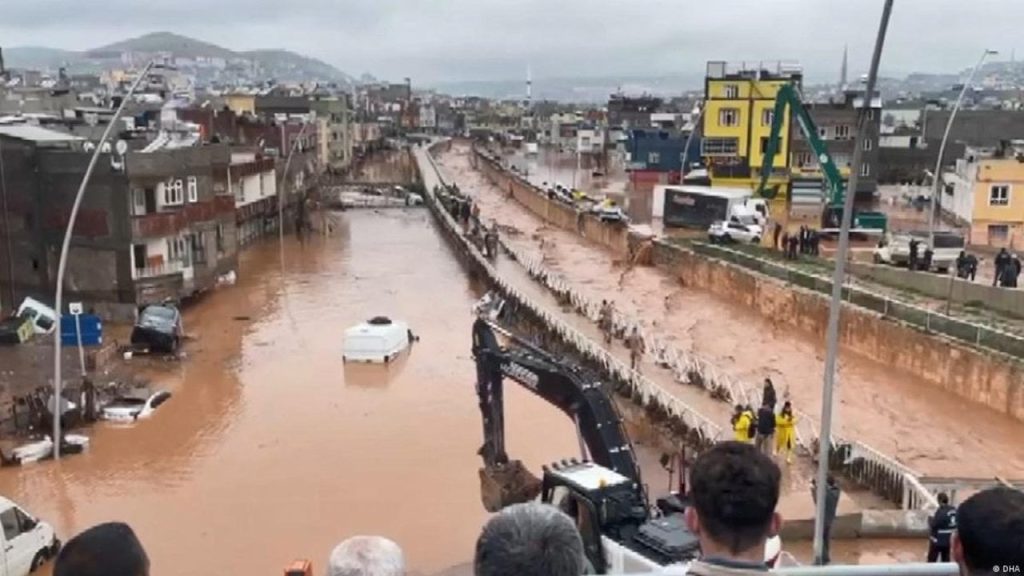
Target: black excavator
column 603, row 491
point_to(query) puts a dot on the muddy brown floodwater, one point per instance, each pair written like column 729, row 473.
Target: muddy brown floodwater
column 937, row 433
column 272, row 449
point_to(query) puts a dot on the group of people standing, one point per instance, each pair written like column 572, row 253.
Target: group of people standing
column 805, row 241
column 634, row 341
column 1007, row 269
column 772, row 433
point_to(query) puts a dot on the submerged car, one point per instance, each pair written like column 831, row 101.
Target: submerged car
column 158, row 329
column 378, row 340
column 130, row 409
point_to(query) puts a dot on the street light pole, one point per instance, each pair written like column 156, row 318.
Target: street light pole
column 937, row 175
column 832, row 334
column 65, row 247
column 689, row 140
column 284, row 179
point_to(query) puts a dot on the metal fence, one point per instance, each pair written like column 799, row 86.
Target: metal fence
column 930, row 320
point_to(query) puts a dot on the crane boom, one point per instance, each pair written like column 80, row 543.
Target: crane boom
column 788, row 97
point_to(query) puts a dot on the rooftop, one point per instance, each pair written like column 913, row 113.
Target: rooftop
column 35, row 134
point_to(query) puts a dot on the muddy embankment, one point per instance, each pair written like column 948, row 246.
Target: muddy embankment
column 989, row 379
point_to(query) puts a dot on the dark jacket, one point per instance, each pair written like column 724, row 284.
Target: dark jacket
column 942, row 525
column 765, row 421
column 831, row 502
column 768, row 396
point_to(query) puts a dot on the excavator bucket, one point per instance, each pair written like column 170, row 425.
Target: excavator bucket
column 506, row 484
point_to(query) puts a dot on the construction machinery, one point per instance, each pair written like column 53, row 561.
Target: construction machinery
column 603, row 490
column 835, row 185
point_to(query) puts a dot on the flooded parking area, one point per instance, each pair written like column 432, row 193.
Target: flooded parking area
column 272, row 448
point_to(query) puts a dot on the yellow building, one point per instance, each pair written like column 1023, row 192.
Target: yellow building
column 241, row 103
column 738, row 108
column 988, row 192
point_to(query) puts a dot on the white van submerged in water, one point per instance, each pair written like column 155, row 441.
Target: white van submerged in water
column 379, row 340
column 27, row 541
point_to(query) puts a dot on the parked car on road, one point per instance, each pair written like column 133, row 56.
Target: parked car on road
column 27, row 541
column 130, row 409
column 726, row 232
column 158, row 329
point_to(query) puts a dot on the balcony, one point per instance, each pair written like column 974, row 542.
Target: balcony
column 162, row 269
column 172, row 221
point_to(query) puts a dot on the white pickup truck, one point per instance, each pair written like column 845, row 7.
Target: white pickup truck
column 27, row 542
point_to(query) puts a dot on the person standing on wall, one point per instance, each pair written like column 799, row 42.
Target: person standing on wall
column 1001, row 262
column 912, row 258
column 741, row 423
column 785, row 432
column 765, row 430
column 941, row 526
column 636, row 348
column 768, row 396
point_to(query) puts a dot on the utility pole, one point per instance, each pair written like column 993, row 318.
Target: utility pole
column 832, row 334
column 65, row 248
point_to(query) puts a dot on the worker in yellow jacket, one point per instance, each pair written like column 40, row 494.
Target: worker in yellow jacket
column 785, row 432
column 742, row 420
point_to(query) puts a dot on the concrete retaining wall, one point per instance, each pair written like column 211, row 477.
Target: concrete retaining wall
column 1002, row 300
column 991, row 379
column 615, row 237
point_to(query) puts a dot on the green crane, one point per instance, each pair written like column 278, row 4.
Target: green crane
column 836, row 193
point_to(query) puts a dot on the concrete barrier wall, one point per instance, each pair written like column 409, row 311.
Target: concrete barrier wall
column 991, row 379
column 612, row 236
column 1002, row 300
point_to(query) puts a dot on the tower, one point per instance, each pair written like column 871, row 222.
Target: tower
column 843, row 70
column 529, row 88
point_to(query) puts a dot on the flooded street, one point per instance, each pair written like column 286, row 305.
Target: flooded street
column 272, row 449
column 892, row 411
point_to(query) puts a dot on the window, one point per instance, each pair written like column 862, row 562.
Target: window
column 871, row 114
column 823, row 132
column 867, row 144
column 138, row 202
column 998, row 233
column 12, row 528
column 174, row 192
column 865, row 169
column 842, row 132
column 999, row 195
column 732, row 91
column 719, row 146
column 220, row 238
column 767, row 115
column 653, row 157
column 193, row 189
column 729, row 117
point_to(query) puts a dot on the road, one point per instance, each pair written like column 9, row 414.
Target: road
column 896, row 412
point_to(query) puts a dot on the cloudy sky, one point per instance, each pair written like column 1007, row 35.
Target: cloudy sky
column 445, row 40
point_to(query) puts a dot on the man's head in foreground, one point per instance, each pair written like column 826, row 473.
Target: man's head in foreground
column 366, row 556
column 734, row 488
column 530, row 538
column 989, row 535
column 110, row 549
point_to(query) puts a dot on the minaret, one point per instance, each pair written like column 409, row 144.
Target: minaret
column 842, row 71
column 529, row 88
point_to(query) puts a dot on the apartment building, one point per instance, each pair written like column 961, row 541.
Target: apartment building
column 986, row 191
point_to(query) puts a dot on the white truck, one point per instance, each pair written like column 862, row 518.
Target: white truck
column 27, row 541
column 700, row 206
column 894, row 249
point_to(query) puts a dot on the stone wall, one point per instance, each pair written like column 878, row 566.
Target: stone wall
column 994, row 380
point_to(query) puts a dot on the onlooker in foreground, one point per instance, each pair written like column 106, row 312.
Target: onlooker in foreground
column 366, row 556
column 941, row 526
column 110, row 549
column 530, row 538
column 990, row 533
column 734, row 489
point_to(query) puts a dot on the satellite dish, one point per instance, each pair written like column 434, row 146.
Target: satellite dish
column 105, row 148
column 121, row 147
column 89, row 147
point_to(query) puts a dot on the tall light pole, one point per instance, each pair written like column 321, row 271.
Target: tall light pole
column 832, row 334
column 937, row 175
column 284, row 178
column 66, row 245
column 689, row 139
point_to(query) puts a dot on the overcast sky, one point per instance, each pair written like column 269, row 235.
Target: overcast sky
column 442, row 40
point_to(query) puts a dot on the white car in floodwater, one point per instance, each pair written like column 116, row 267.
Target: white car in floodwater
column 27, row 541
column 726, row 232
column 130, row 409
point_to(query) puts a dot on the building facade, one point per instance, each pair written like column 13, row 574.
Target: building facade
column 986, row 191
column 738, row 108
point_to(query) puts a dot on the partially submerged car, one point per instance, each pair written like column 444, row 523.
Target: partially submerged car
column 130, row 409
column 377, row 340
column 158, row 329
